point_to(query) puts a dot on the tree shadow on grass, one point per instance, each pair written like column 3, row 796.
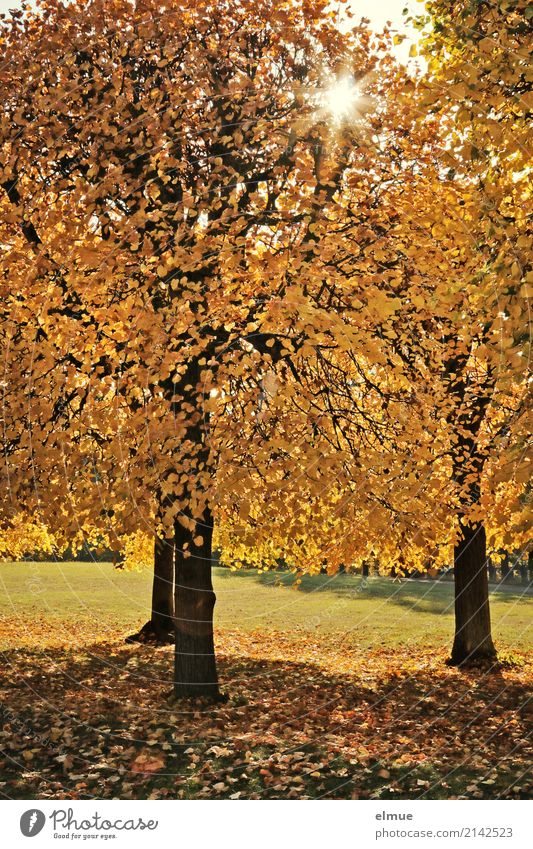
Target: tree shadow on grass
column 97, row 724
column 425, row 596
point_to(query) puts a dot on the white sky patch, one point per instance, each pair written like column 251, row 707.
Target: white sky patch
column 5, row 5
column 381, row 12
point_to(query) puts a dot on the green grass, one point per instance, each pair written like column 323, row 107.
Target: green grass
column 373, row 612
column 337, row 689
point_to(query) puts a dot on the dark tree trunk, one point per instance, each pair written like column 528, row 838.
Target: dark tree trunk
column 530, row 564
column 492, row 571
column 163, row 587
column 506, row 569
column 523, row 574
column 160, row 626
column 365, row 570
column 195, row 671
column 473, row 640
column 470, row 403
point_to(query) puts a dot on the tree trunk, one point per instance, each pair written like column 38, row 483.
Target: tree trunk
column 163, row 587
column 492, row 571
column 506, row 569
column 160, row 626
column 473, row 640
column 195, row 671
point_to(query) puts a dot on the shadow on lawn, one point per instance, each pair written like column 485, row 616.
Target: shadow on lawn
column 97, row 723
column 426, row 596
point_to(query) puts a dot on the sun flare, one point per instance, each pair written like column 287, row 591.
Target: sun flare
column 341, row 99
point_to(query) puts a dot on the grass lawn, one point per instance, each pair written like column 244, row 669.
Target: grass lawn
column 337, row 688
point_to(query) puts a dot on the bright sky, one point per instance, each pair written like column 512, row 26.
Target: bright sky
column 381, row 11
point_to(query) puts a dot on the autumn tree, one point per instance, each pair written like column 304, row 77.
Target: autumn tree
column 229, row 307
column 479, row 81
column 164, row 168
column 429, row 410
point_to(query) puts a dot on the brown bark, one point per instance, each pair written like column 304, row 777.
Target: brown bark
column 506, row 569
column 195, row 671
column 473, row 641
column 160, row 626
column 163, row 586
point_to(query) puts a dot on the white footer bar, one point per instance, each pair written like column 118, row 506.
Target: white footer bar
column 267, row 824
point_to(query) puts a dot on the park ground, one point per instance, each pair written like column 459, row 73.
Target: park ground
column 337, row 688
